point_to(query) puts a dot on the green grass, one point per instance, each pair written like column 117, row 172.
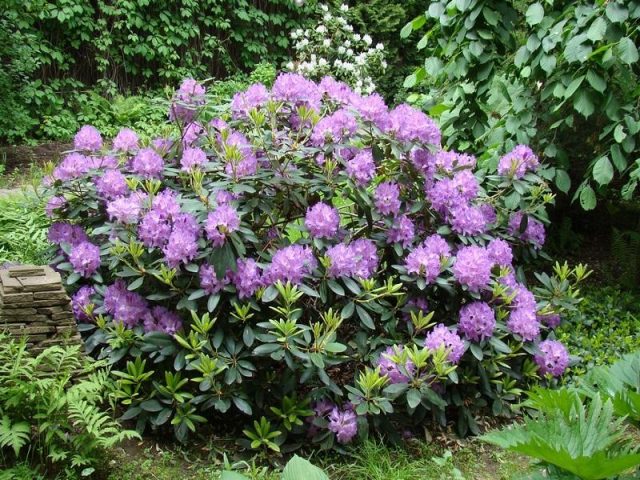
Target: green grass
column 23, row 229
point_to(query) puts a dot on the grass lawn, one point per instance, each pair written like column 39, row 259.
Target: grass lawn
column 415, row 460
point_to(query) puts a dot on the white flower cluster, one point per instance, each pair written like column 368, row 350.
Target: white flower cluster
column 332, row 48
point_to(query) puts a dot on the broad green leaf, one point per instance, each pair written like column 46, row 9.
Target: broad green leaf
column 573, row 86
column 597, row 29
column 616, row 13
column 576, row 50
column 603, row 171
column 535, row 13
column 300, row 469
column 618, row 158
column 596, row 81
column 563, row 181
column 618, row 133
column 233, row 476
column 583, row 104
column 627, row 50
column 406, row 30
column 548, row 63
column 587, row 198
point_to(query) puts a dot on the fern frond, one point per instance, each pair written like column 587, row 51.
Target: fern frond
column 14, row 435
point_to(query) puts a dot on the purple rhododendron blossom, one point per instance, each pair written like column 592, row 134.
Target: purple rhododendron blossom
column 371, row 108
column 166, row 204
column 154, row 229
column 87, row 138
column 402, row 231
column 125, row 141
column 54, row 204
column 553, row 358
column 186, row 101
column 124, row 209
column 361, row 168
column 220, row 223
column 182, row 244
column 254, row 97
column 148, row 163
column 390, row 369
column 334, row 128
column 72, row 166
column 63, row 232
column 210, row 282
column 335, row 90
column 467, row 220
column 160, row 319
column 247, row 277
column 85, row 258
column 534, row 232
column 500, row 252
column 322, row 220
column 290, row 264
column 359, row 259
column 523, row 322
column 517, row 162
column 410, row 124
column 473, row 268
column 551, row 320
column 297, row 90
column 426, row 260
column 477, row 321
column 442, row 336
column 344, row 423
column 192, row 158
column 124, row 306
column 387, row 198
column 192, row 132
column 112, row 184
column 80, row 302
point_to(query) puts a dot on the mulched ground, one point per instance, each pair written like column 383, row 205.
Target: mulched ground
column 21, row 157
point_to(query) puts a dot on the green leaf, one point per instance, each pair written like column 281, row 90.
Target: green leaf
column 587, row 198
column 573, row 86
column 227, row 475
column 563, row 181
column 548, row 63
column 597, row 29
column 602, row 171
column 577, row 51
column 406, row 30
column 616, row 12
column 618, row 133
column 596, row 81
column 535, row 13
column 627, row 50
column 365, row 318
column 414, row 397
column 300, row 469
column 618, row 158
column 583, row 104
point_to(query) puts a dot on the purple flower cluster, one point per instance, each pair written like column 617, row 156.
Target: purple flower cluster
column 387, row 198
column 427, row 259
column 334, row 128
column 361, row 168
column 210, row 282
column 402, row 231
column 247, row 277
column 389, row 366
column 80, row 302
column 148, row 163
column 553, row 358
column 254, row 97
column 54, row 205
column 290, row 264
column 220, row 223
column 358, row 259
column 517, row 162
column 186, row 101
column 500, row 252
column 72, row 166
column 534, row 231
column 126, row 141
column 344, row 423
column 192, row 158
column 125, row 209
column 412, row 125
column 159, row 319
column 372, row 109
column 477, row 321
column 523, row 322
column 296, row 90
column 322, row 220
column 124, row 306
column 182, row 244
column 63, row 232
column 442, row 336
column 112, row 184
column 88, row 138
column 472, row 268
column 85, row 258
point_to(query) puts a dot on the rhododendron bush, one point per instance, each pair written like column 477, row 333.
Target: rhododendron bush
column 310, row 259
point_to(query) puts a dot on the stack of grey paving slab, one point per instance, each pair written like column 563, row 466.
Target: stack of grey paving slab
column 34, row 304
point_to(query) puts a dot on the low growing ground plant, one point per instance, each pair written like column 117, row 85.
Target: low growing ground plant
column 309, row 264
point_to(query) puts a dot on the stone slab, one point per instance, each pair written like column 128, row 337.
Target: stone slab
column 27, row 270
column 19, row 311
column 15, row 298
column 41, row 283
column 52, row 310
column 58, row 294
column 9, row 284
column 35, row 330
column 12, row 319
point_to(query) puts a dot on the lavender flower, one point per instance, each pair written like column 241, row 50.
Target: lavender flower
column 186, row 101
column 342, row 263
column 154, row 229
column 125, row 306
column 62, row 232
column 477, row 321
column 80, row 302
column 322, row 220
column 390, row 368
column 85, row 258
column 220, row 223
column 551, row 320
column 335, row 90
column 182, row 245
column 247, row 277
column 296, row 90
column 162, row 320
column 361, row 168
column 147, row 163
column 517, row 162
column 523, row 322
column 72, row 166
column 126, row 141
column 500, row 252
column 290, row 264
column 112, row 184
column 254, row 97
column 427, row 259
column 366, row 257
column 192, row 158
column 412, row 125
column 334, row 128
column 87, row 138
column 473, row 268
column 534, row 232
column 387, row 198
column 344, row 424
column 166, row 204
column 553, row 358
column 55, row 203
column 210, row 282
column 442, row 336
column 124, row 209
column 402, row 231
column 191, row 133
column 372, row 109
column 467, row 220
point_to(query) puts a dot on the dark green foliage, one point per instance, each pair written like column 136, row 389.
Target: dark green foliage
column 23, row 229
column 605, row 327
column 625, row 254
column 54, row 52
column 562, row 76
